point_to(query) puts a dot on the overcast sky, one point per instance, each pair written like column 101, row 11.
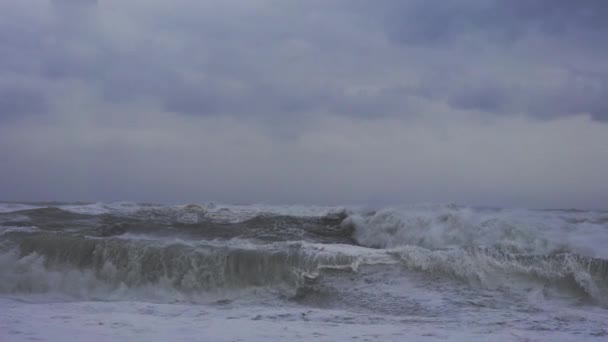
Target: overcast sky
column 482, row 102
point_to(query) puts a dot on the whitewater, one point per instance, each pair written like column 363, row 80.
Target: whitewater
column 215, row 272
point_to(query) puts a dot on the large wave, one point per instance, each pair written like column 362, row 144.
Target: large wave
column 515, row 231
column 86, row 267
column 184, row 251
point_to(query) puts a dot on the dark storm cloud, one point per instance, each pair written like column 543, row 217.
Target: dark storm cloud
column 580, row 93
column 430, row 22
column 555, row 16
column 302, row 58
column 242, row 68
column 568, row 37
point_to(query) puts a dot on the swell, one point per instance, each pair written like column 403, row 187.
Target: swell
column 186, row 222
column 36, row 260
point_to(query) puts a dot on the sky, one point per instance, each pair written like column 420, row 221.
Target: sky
column 476, row 102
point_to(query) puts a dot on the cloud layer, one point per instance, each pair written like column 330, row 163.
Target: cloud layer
column 470, row 101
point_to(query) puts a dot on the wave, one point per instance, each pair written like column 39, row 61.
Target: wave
column 170, row 222
column 492, row 248
column 188, row 213
column 493, row 269
column 515, row 231
column 196, row 249
column 80, row 266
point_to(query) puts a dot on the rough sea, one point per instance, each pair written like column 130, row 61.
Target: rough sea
column 210, row 272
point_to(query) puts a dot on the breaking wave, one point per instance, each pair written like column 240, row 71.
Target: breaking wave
column 523, row 231
column 185, row 251
column 494, row 269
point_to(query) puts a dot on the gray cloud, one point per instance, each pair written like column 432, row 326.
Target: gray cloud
column 288, row 92
column 429, row 22
column 17, row 101
column 243, row 61
column 578, row 93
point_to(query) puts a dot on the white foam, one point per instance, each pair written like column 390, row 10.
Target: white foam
column 134, row 321
column 11, row 229
column 519, row 231
column 239, row 213
column 30, row 274
column 100, row 208
column 191, row 213
column 137, row 321
column 494, row 270
column 13, row 207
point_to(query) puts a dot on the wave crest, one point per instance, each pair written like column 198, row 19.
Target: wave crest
column 522, row 232
column 490, row 268
column 81, row 266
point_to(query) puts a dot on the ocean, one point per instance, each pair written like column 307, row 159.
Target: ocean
column 213, row 272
